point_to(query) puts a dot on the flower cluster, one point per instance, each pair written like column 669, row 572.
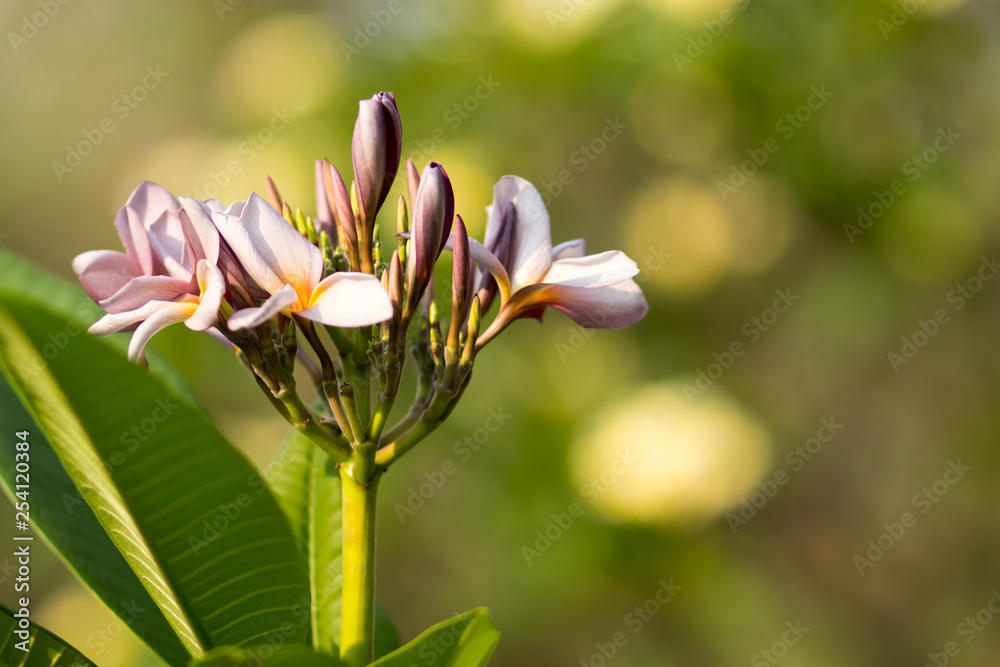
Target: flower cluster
column 257, row 273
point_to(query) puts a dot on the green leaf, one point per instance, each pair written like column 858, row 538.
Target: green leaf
column 44, row 648
column 185, row 508
column 307, row 486
column 467, row 640
column 266, row 656
column 21, row 277
column 71, row 528
column 57, row 509
column 386, row 637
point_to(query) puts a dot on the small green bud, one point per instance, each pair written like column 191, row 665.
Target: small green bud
column 306, row 227
column 435, row 337
column 354, row 200
column 327, row 247
column 402, row 216
column 475, row 319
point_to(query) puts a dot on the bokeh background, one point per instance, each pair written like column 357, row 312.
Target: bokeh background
column 715, row 472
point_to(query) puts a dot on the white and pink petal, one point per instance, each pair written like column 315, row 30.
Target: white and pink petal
column 151, row 200
column 115, row 322
column 199, row 230
column 531, row 240
column 135, row 238
column 601, row 270
column 167, row 314
column 242, row 245
column 569, row 249
column 104, row 272
column 283, row 300
column 288, row 254
column 349, row 299
column 212, row 290
column 611, row 307
column 140, row 290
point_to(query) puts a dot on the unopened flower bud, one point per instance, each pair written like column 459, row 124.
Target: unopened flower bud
column 384, row 279
column 461, row 269
column 340, row 205
column 324, row 205
column 433, row 212
column 395, row 282
column 432, row 314
column 435, row 334
column 475, row 320
column 428, row 299
column 305, row 226
column 412, row 180
column 392, row 279
column 402, row 216
column 402, row 228
column 354, row 207
column 375, row 152
column 326, row 245
column 273, row 196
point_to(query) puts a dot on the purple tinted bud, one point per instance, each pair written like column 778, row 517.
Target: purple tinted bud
column 375, row 152
column 340, row 204
column 324, row 211
column 395, row 284
column 433, row 212
column 461, row 272
column 273, row 196
column 412, row 181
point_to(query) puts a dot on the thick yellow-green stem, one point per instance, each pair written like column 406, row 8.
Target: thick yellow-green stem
column 357, row 625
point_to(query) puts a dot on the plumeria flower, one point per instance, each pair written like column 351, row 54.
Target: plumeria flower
column 596, row 291
column 163, row 246
column 199, row 215
column 167, row 273
column 198, row 311
column 290, row 270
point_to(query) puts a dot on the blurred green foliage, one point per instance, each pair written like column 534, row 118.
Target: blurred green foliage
column 628, row 115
